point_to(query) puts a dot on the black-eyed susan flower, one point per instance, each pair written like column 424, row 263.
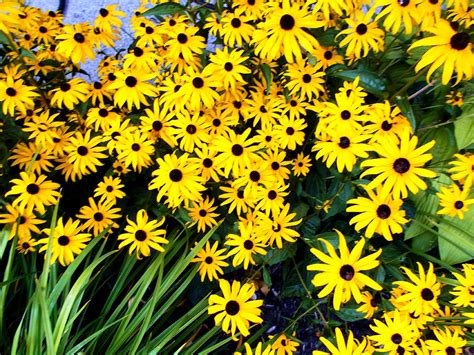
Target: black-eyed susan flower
column 98, row 93
column 327, row 56
column 463, row 293
column 256, row 174
column 69, row 93
column 9, row 11
column 34, row 193
column 42, row 128
column 271, row 198
column 84, row 153
column 143, row 59
column 176, row 180
column 301, row 164
column 20, row 223
column 455, row 98
column 183, row 41
column 198, row 89
column 132, row 88
column 246, row 245
column 237, row 199
column 110, row 189
column 156, row 122
column 394, row 334
column 378, row 214
column 202, row 213
column 462, row 167
column 421, row 292
column 109, row 17
column 368, row 304
column 446, row 342
column 346, row 113
column 282, row 32
column 143, row 235
column 67, row 241
column 289, row 132
column 75, row 43
column 342, row 274
column 211, row 261
column 283, row 345
column 398, row 12
column 101, row 117
column 252, row 8
column 236, row 28
column 30, row 156
column 342, row 347
column 26, row 245
column 384, row 120
column 260, row 349
column 235, row 309
column 16, row 96
column 449, row 48
column 305, row 79
column 228, row 67
column 278, row 227
column 135, row 149
column 362, row 35
column 455, row 201
column 190, row 130
column 99, row 216
column 400, row 166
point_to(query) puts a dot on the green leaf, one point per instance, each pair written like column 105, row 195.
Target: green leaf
column 370, row 81
column 350, row 314
column 456, row 240
column 164, row 9
column 464, row 128
column 406, row 109
column 267, row 74
column 445, row 145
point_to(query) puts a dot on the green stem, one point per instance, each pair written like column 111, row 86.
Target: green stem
column 409, row 84
column 4, row 289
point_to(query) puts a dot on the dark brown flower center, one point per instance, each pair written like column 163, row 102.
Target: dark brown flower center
column 396, row 338
column 176, row 175
column 103, row 12
column 344, row 142
column 82, row 150
column 208, row 260
column 236, row 23
column 202, row 212
column 63, row 240
column 22, row 220
column 216, row 122
column 228, row 66
column 427, row 294
column 10, row 92
column 140, row 235
column 43, row 29
column 458, row 205
column 207, row 163
column 138, row 52
column 65, row 87
column 237, row 150
column 254, row 176
column 182, row 38
column 157, row 126
column 103, row 112
column 32, row 189
column 131, row 81
column 383, row 211
column 240, row 194
column 306, row 78
column 275, row 165
column 149, row 30
column 25, row 245
column 79, row 38
column 198, row 83
column 290, row 131
column 97, row 85
column 450, row 350
column 293, row 103
column 109, row 188
column 237, row 104
column 347, row 272
column 386, row 126
column 135, row 147
column 401, row 165
column 98, row 216
column 248, row 244
column 191, row 129
column 272, row 194
column 361, row 29
column 327, row 55
column 404, row 3
column 287, row 22
column 345, row 115
column 232, row 308
column 460, row 41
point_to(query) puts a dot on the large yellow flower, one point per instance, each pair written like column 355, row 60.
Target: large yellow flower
column 343, row 274
column 450, row 49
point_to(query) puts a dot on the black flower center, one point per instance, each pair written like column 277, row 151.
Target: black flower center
column 191, row 129
column 237, row 104
column 22, row 220
column 344, row 142
column 396, row 338
column 254, row 176
column 111, row 77
column 138, row 52
column 10, row 92
column 79, row 38
column 207, row 162
column 458, row 205
column 131, row 81
column 109, row 188
column 248, row 244
column 27, row 37
column 276, row 228
column 293, row 103
column 103, row 112
column 236, row 23
column 32, row 189
column 63, row 240
column 135, row 147
column 172, row 23
column 450, row 350
column 237, row 150
column 176, row 175
column 43, row 29
column 103, row 12
column 345, row 115
column 434, row 2
column 460, row 41
column 216, row 122
column 149, row 30
column 347, row 272
column 427, row 294
column 198, row 83
column 98, row 216
column 82, row 150
column 251, row 2
column 386, row 126
column 65, row 87
column 327, row 55
column 140, row 235
column 290, row 131
column 182, row 38
column 240, row 194
column 361, row 29
column 275, row 165
column 263, row 109
column 25, row 245
column 268, row 139
column 202, row 212
column 232, row 308
column 157, row 126
column 404, row 3
column 208, row 260
column 383, row 211
column 228, row 66
column 97, row 85
column 401, row 165
column 287, row 22
column 272, row 194
column 306, row 78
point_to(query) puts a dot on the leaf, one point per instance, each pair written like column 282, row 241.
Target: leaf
column 164, row 9
column 350, row 314
column 445, row 145
column 406, row 109
column 267, row 74
column 464, row 128
column 370, row 81
column 456, row 240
